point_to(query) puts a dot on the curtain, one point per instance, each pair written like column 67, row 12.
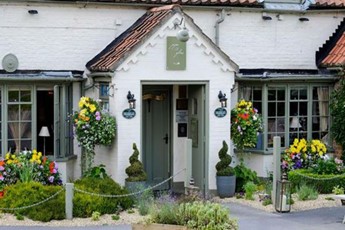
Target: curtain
column 323, row 96
column 247, row 91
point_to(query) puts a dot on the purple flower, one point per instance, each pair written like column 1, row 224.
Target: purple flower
column 51, row 179
column 2, row 168
column 2, row 177
column 98, row 116
column 54, row 171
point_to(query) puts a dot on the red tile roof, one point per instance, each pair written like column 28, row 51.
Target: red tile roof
column 332, row 53
column 130, row 40
column 337, row 55
column 252, row 3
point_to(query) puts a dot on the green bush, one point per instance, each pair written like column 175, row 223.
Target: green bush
column 250, row 189
column 244, row 175
column 337, row 190
column 85, row 205
column 327, row 167
column 307, row 192
column 136, row 170
column 205, row 215
column 25, row 194
column 322, row 183
column 223, row 166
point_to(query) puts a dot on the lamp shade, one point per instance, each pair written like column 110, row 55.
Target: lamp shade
column 44, row 132
column 294, row 124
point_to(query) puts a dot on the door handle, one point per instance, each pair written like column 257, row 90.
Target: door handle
column 166, row 138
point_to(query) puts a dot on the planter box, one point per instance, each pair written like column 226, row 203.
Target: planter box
column 157, row 227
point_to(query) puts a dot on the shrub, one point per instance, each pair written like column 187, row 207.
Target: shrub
column 136, row 170
column 223, row 166
column 205, row 215
column 250, row 189
column 85, row 205
column 95, row 216
column 165, row 213
column 25, row 194
column 330, row 166
column 244, row 175
column 322, row 183
column 337, row 190
column 97, row 172
column 266, row 202
column 307, row 192
column 144, row 202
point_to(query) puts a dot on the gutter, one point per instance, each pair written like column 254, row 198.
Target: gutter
column 220, row 20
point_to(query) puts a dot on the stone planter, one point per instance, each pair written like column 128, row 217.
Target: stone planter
column 157, row 227
column 226, row 186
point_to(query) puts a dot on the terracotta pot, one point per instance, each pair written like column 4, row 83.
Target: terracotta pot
column 157, row 227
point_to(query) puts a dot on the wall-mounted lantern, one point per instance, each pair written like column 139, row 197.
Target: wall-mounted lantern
column 222, row 99
column 131, row 100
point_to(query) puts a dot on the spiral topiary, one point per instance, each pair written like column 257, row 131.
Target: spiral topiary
column 223, row 166
column 136, row 170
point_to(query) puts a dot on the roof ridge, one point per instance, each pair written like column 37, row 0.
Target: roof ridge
column 165, row 8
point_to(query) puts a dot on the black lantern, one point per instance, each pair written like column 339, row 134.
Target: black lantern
column 283, row 195
column 131, row 100
column 222, row 99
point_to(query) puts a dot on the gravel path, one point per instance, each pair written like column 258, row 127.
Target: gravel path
column 127, row 219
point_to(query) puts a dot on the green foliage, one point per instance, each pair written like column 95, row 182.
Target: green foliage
column 130, row 211
column 165, row 213
column 266, row 202
column 205, row 215
column 250, row 189
column 329, row 166
column 223, row 166
column 337, row 111
column 323, row 183
column 25, row 194
column 85, row 205
column 145, row 202
column 115, row 217
column 136, row 170
column 337, row 190
column 307, row 192
column 95, row 216
column 19, row 216
column 97, row 172
column 244, row 175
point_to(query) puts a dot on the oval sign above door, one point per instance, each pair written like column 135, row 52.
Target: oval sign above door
column 128, row 113
column 220, row 112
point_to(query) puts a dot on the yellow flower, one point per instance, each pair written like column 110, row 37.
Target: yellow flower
column 92, row 108
column 8, row 156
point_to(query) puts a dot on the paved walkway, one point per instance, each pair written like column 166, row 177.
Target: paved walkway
column 250, row 218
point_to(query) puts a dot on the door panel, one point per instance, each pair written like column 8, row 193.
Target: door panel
column 156, row 135
column 196, row 133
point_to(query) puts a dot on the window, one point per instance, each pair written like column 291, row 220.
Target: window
column 26, row 109
column 290, row 111
column 104, row 96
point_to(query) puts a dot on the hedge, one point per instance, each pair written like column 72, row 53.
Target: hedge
column 323, row 183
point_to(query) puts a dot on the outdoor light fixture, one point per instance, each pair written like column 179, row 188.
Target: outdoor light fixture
column 222, row 99
column 131, row 100
column 266, row 17
column 44, row 133
column 283, row 195
column 32, row 11
column 183, row 34
column 294, row 124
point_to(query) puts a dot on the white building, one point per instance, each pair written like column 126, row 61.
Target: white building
column 261, row 51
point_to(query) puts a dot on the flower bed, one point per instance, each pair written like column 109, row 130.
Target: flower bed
column 28, row 166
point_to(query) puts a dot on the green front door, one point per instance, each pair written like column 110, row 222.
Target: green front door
column 196, row 123
column 156, row 134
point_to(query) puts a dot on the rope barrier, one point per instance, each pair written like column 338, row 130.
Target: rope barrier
column 130, row 194
column 36, row 204
column 93, row 194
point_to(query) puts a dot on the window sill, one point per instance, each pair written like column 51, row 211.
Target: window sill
column 65, row 159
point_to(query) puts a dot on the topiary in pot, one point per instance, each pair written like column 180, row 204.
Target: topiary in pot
column 226, row 180
column 136, row 173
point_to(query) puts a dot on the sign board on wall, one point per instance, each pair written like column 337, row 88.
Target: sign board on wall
column 176, row 54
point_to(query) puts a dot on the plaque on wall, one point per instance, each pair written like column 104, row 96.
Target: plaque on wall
column 128, row 113
column 182, row 130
